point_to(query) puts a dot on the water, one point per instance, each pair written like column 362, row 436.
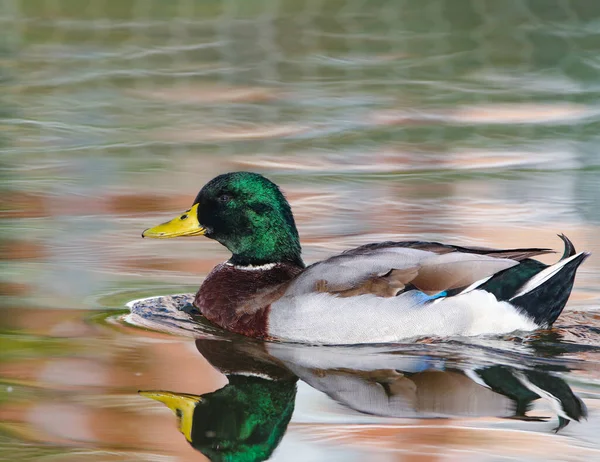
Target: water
column 460, row 121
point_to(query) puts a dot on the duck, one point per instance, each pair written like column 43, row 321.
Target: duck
column 381, row 292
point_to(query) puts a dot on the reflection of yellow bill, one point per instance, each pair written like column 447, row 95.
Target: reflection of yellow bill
column 184, row 225
column 182, row 405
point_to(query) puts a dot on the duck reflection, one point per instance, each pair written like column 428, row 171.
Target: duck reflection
column 246, row 419
column 400, row 384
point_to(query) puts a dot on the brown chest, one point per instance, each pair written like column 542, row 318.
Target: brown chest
column 239, row 299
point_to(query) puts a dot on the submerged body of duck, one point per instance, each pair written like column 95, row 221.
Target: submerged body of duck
column 380, row 292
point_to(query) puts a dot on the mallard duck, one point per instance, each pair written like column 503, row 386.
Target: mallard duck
column 248, row 417
column 375, row 293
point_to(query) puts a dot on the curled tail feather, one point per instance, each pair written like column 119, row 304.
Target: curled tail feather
column 569, row 247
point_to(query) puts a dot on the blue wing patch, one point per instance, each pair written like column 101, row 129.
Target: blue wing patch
column 428, row 298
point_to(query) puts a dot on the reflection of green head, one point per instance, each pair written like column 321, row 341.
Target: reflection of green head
column 242, row 422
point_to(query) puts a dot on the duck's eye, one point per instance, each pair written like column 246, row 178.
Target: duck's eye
column 184, row 216
column 224, row 198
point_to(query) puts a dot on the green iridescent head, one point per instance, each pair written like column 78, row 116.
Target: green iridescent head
column 246, row 213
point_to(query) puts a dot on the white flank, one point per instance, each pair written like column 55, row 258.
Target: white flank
column 544, row 276
column 323, row 318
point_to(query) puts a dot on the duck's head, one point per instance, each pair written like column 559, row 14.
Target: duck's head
column 246, row 213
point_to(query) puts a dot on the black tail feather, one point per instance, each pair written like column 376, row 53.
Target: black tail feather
column 569, row 247
column 545, row 302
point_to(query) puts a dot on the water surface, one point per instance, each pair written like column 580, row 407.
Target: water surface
column 461, row 121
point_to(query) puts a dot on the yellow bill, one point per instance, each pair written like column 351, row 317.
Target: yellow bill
column 182, row 405
column 184, row 225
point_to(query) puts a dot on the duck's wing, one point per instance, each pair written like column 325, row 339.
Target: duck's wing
column 473, row 293
column 386, row 269
column 439, row 248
